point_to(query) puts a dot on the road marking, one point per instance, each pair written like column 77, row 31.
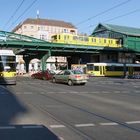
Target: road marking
column 27, row 92
column 73, row 92
column 117, row 91
column 32, row 126
column 7, row 127
column 105, row 91
column 124, row 91
column 137, row 91
column 18, row 92
column 133, row 122
column 96, row 92
column 57, row 126
column 60, row 138
column 136, row 86
column 84, row 125
column 51, row 92
column 62, row 92
column 108, row 124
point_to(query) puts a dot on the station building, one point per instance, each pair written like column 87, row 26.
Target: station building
column 129, row 37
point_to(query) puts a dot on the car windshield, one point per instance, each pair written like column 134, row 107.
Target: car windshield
column 76, row 72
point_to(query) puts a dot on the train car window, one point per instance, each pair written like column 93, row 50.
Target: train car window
column 104, row 40
column 86, row 39
column 74, row 37
column 93, row 39
column 65, row 37
column 59, row 37
column 54, row 37
column 81, row 38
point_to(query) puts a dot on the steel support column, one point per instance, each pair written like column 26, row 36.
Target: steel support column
column 43, row 60
column 27, row 60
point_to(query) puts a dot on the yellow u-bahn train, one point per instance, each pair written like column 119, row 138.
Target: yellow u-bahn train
column 86, row 40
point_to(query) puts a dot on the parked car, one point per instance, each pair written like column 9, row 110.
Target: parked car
column 70, row 77
column 45, row 75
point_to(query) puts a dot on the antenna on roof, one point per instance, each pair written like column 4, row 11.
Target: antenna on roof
column 37, row 16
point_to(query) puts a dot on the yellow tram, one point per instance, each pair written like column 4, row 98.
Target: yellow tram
column 7, row 67
column 112, row 69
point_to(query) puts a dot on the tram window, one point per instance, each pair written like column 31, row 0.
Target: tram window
column 104, row 40
column 117, row 42
column 114, row 68
column 137, row 69
column 118, row 68
column 1, row 67
column 90, row 67
column 96, row 68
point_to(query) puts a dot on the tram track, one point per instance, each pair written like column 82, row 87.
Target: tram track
column 71, row 127
column 95, row 114
column 42, row 92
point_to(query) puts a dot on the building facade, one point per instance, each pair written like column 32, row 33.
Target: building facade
column 44, row 29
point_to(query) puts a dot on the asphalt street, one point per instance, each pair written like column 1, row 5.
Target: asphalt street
column 103, row 109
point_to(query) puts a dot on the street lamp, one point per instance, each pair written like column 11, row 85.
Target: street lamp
column 124, row 65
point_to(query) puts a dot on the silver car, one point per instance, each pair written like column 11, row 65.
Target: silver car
column 70, row 77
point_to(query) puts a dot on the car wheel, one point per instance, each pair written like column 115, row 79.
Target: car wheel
column 54, row 80
column 83, row 84
column 70, row 83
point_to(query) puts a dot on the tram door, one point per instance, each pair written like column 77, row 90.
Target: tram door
column 130, row 71
column 102, row 70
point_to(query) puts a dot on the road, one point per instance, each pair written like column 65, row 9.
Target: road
column 103, row 109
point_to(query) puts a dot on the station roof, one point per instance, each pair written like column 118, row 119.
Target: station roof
column 131, row 31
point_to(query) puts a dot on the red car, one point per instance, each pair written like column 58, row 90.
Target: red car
column 45, row 75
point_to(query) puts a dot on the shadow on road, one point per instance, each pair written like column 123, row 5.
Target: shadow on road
column 10, row 107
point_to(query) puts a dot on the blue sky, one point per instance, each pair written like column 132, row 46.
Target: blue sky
column 74, row 11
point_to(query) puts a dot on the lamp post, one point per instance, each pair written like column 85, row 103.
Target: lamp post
column 56, row 63
column 124, row 66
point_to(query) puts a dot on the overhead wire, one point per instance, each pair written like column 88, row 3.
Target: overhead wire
column 120, row 16
column 22, row 13
column 17, row 9
column 103, row 12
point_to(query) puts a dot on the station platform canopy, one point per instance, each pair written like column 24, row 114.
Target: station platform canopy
column 129, row 36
